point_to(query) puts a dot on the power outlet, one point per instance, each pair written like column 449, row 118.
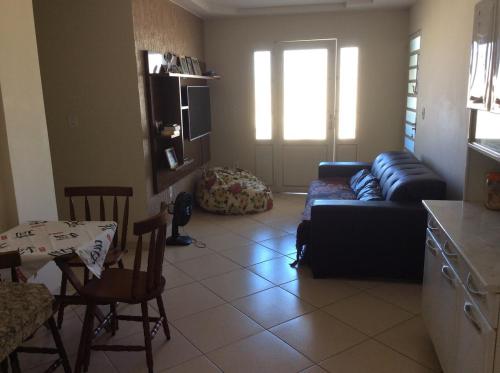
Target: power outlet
column 73, row 121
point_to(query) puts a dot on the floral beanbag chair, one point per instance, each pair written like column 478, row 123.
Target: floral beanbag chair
column 232, row 191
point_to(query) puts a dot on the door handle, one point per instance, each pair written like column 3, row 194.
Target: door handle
column 431, row 247
column 445, row 272
column 468, row 310
column 472, row 288
column 448, row 253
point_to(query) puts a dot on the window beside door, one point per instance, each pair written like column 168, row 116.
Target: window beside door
column 411, row 99
column 348, row 93
column 263, row 101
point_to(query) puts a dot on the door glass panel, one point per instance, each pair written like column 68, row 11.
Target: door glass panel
column 411, row 103
column 305, row 94
column 411, row 117
column 413, row 60
column 412, row 88
column 412, row 75
column 415, row 44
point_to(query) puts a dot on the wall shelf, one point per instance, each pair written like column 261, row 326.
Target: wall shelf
column 165, row 105
column 184, row 76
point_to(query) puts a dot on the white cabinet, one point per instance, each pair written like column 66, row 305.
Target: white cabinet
column 482, row 52
column 476, row 339
column 440, row 299
column 459, row 309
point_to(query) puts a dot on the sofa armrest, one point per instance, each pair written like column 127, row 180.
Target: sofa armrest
column 340, row 169
column 351, row 238
column 338, row 223
column 359, row 212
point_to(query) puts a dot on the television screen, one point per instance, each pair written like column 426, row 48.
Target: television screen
column 199, row 123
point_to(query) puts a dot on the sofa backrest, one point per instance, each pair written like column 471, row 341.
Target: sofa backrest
column 403, row 178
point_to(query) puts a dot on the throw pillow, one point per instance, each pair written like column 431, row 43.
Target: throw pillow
column 371, row 192
column 367, row 179
column 357, row 177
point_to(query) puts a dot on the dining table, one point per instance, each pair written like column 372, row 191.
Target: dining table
column 40, row 242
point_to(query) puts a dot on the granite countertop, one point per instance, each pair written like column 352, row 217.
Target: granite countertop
column 475, row 231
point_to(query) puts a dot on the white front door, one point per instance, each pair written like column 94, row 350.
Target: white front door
column 304, row 109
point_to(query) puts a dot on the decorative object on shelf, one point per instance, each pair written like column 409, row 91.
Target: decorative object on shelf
column 190, row 66
column 184, row 65
column 172, row 130
column 196, row 66
column 493, row 191
column 171, row 63
column 181, row 210
column 159, row 126
column 171, row 158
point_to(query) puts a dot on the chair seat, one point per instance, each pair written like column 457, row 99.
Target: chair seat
column 23, row 309
column 113, row 256
column 115, row 285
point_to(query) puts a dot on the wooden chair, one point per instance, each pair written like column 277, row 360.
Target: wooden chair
column 24, row 308
column 118, row 246
column 131, row 286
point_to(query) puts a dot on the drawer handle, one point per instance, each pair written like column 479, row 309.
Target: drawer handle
column 433, row 227
column 431, row 247
column 473, row 289
column 468, row 310
column 448, row 253
column 446, row 274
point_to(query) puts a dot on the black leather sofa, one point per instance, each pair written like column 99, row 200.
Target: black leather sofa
column 351, row 238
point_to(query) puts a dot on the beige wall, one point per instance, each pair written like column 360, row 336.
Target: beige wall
column 24, row 146
column 87, row 60
column 162, row 26
column 442, row 136
column 8, row 208
column 382, row 37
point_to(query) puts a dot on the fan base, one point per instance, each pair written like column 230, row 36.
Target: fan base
column 179, row 241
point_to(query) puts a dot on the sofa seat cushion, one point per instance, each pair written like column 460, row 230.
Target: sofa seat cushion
column 23, row 309
column 332, row 188
column 232, row 191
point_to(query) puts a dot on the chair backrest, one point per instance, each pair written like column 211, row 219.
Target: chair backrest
column 156, row 227
column 101, row 193
column 11, row 259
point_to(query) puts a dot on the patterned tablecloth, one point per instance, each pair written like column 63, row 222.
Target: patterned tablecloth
column 39, row 242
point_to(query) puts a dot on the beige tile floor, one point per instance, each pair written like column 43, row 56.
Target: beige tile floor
column 237, row 306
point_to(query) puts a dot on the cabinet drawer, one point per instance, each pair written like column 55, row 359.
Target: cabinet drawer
column 487, row 302
column 476, row 339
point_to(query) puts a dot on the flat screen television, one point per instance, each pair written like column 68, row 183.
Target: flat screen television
column 199, row 121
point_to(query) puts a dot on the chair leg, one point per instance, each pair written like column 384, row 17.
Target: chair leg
column 114, row 319
column 4, row 365
column 86, row 275
column 59, row 344
column 83, row 339
column 120, row 264
column 14, row 362
column 90, row 335
column 161, row 308
column 147, row 336
column 62, row 293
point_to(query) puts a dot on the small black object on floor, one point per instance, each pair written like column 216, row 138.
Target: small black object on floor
column 182, row 210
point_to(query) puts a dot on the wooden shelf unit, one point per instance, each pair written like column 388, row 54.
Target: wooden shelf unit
column 164, row 104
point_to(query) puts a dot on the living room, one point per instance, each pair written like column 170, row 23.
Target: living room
column 330, row 165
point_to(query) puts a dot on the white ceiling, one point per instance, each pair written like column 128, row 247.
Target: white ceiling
column 217, row 8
